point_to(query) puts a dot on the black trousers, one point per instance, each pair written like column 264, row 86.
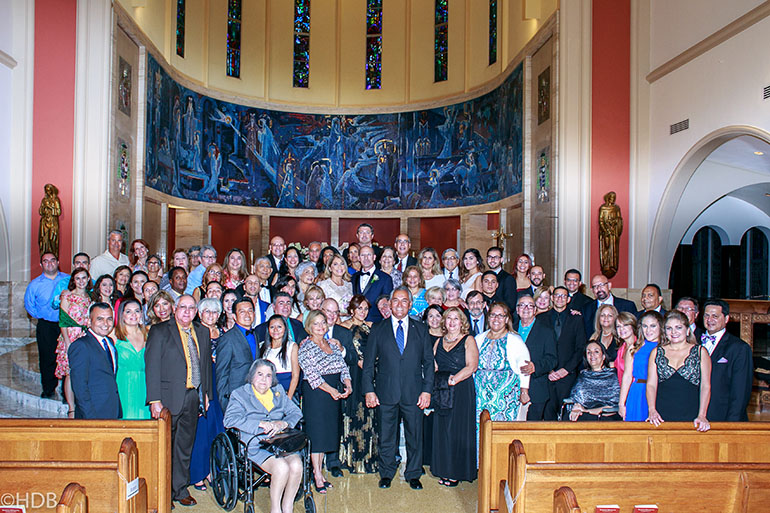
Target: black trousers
column 558, row 391
column 47, row 334
column 535, row 411
column 183, row 428
column 389, row 437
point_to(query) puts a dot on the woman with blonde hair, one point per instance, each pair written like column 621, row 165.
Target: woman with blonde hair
column 160, row 308
column 430, row 268
column 414, row 282
column 604, row 331
column 335, row 282
column 625, row 327
column 131, row 337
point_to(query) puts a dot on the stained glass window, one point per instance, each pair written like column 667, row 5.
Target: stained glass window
column 301, row 72
column 374, row 44
column 441, row 41
column 492, row 31
column 180, row 7
column 234, row 38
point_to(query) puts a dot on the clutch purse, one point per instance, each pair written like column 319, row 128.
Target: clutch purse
column 443, row 396
column 286, row 442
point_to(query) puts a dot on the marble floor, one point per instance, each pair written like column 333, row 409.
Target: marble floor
column 359, row 493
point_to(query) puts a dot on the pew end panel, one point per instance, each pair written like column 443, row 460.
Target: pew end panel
column 564, row 501
column 73, row 499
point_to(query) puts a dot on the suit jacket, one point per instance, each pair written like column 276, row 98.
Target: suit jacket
column 571, row 343
column 345, row 336
column 233, row 361
column 166, row 367
column 383, row 285
column 401, row 378
column 507, row 289
column 261, row 332
column 93, row 380
column 483, row 326
column 732, row 369
column 589, row 311
column 541, row 343
column 410, row 260
column 641, row 312
column 579, row 300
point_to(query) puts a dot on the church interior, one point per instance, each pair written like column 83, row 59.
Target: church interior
column 623, row 138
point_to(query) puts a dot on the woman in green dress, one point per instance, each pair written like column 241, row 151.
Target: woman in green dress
column 131, row 338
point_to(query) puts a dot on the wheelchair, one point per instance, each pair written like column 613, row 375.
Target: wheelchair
column 566, row 408
column 235, row 477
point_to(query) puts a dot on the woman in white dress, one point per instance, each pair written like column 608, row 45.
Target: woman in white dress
column 335, row 282
column 430, row 268
column 471, row 269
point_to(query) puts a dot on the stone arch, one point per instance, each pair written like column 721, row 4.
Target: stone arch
column 665, row 240
column 5, row 247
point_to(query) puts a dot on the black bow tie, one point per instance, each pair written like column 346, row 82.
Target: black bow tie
column 366, row 273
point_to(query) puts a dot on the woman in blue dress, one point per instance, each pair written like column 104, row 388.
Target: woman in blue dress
column 633, row 390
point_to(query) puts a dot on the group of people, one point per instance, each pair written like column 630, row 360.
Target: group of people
column 354, row 343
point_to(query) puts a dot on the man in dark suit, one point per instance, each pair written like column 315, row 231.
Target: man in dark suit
column 178, row 374
column 540, row 339
column 282, row 306
column 337, row 333
column 567, row 324
column 602, row 288
column 371, row 282
column 731, row 365
column 689, row 306
column 506, row 281
column 400, row 353
column 573, row 282
column 477, row 312
column 652, row 299
column 451, row 260
column 236, row 350
column 93, row 365
column 252, row 289
column 277, row 250
column 403, row 258
column 490, row 288
column 536, row 280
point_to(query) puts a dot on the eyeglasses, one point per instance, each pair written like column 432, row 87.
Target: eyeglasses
column 599, row 286
column 526, row 307
column 561, row 296
column 497, row 316
column 402, row 241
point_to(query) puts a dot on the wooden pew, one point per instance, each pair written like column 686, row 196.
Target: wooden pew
column 73, row 500
column 576, row 442
column 93, row 444
column 564, row 501
column 701, row 487
column 107, row 481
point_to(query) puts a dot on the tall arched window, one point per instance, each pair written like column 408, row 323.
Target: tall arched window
column 374, row 44
column 441, row 41
column 754, row 264
column 234, row 38
column 301, row 70
column 492, row 31
column 180, row 12
column 707, row 263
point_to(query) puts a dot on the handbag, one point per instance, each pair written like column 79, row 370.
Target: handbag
column 286, row 442
column 443, row 396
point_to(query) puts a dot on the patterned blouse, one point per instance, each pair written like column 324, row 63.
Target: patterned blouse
column 315, row 363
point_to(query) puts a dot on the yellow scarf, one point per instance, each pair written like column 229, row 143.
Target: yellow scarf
column 266, row 399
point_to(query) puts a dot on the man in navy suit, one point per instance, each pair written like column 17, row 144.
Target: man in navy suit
column 403, row 258
column 652, row 299
column 93, row 365
column 236, row 351
column 401, row 351
column 731, row 365
column 371, row 282
column 602, row 288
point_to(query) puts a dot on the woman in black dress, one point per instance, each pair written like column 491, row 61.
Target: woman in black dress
column 679, row 376
column 325, row 369
column 454, row 394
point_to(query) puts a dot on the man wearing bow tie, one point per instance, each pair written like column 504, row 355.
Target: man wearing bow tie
column 371, row 282
column 731, row 365
column 93, row 365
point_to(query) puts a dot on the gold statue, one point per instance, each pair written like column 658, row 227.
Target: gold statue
column 50, row 210
column 610, row 228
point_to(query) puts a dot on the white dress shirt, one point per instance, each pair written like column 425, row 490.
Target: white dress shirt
column 710, row 346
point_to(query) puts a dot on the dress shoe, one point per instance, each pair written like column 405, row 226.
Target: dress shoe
column 385, row 482
column 48, row 395
column 188, row 501
column 335, row 472
column 415, row 484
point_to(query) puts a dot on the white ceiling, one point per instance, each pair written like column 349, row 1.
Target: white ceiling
column 739, row 152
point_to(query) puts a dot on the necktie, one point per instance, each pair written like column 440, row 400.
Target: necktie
column 451, row 275
column 108, row 350
column 399, row 266
column 400, row 337
column 476, row 326
column 557, row 326
column 195, row 363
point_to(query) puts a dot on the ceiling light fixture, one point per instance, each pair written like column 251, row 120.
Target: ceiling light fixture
column 759, row 153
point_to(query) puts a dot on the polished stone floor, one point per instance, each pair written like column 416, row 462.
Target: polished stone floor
column 359, row 493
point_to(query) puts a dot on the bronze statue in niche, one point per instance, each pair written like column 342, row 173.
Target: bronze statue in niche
column 610, row 229
column 50, row 210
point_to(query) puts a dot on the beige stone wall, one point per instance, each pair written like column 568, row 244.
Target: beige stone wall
column 14, row 321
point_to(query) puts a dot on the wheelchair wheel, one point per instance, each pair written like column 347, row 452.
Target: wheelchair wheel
column 224, row 472
column 309, row 504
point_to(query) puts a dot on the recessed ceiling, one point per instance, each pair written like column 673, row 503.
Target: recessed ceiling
column 739, row 152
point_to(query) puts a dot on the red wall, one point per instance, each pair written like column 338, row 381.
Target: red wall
column 301, row 229
column 439, row 233
column 610, row 120
column 229, row 231
column 385, row 230
column 53, row 118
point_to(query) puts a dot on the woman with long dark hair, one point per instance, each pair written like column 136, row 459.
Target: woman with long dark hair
column 282, row 351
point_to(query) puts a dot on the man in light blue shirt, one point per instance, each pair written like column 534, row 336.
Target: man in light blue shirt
column 208, row 256
column 37, row 301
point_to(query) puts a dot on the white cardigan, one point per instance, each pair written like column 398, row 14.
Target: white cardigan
column 518, row 354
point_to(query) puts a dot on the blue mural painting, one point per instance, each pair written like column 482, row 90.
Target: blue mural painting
column 204, row 149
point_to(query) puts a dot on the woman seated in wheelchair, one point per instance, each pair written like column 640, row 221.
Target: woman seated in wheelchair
column 261, row 409
column 596, row 392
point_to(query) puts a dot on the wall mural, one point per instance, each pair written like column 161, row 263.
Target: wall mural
column 204, row 149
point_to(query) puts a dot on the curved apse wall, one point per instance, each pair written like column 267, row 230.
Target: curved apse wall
column 205, row 149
